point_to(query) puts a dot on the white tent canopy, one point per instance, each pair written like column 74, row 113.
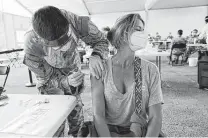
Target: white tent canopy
column 94, row 7
column 14, row 7
column 170, row 4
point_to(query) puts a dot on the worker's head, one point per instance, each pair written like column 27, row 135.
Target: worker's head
column 206, row 19
column 180, row 32
column 50, row 24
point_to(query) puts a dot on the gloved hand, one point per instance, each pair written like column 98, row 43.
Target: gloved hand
column 76, row 78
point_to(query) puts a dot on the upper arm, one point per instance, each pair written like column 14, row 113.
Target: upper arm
column 97, row 88
column 155, row 90
column 155, row 95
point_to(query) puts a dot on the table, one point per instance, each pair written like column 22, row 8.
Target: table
column 152, row 52
column 10, row 51
column 23, row 115
column 197, row 45
column 10, row 135
column 162, row 42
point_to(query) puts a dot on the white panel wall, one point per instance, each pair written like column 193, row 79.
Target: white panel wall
column 9, row 31
column 163, row 21
column 12, row 23
column 171, row 20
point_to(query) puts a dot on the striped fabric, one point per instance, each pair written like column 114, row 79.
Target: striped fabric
column 138, row 85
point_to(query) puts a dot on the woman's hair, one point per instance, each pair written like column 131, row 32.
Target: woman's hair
column 180, row 32
column 49, row 23
column 120, row 33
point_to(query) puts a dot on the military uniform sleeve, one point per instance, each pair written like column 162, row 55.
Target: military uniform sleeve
column 34, row 60
column 89, row 33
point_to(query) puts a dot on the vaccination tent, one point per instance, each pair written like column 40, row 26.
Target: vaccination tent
column 93, row 7
column 99, row 11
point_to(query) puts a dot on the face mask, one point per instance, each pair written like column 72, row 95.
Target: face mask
column 62, row 56
column 138, row 40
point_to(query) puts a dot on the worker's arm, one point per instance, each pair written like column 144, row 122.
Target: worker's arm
column 91, row 35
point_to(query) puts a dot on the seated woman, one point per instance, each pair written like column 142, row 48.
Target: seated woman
column 127, row 100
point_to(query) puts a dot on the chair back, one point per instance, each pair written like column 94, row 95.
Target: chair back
column 4, row 70
column 178, row 46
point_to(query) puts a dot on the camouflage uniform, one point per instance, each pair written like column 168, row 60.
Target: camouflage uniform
column 53, row 68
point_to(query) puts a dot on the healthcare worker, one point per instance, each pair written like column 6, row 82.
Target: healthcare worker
column 51, row 53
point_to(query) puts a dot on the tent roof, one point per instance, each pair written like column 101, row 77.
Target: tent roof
column 170, row 4
column 14, row 7
column 112, row 6
column 92, row 7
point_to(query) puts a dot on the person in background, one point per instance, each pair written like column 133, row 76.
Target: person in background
column 195, row 33
column 81, row 49
column 180, row 39
column 204, row 32
column 169, row 40
column 112, row 49
column 118, row 107
column 157, row 37
column 51, row 53
column 170, row 36
column 193, row 38
column 150, row 38
column 179, row 50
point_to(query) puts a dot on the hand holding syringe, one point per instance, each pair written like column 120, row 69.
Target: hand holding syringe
column 76, row 79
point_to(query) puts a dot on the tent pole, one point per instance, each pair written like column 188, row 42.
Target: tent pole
column 23, row 6
column 146, row 20
column 86, row 7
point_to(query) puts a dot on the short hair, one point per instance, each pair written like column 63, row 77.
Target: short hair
column 195, row 30
column 180, row 32
column 106, row 29
column 120, row 33
column 206, row 19
column 49, row 23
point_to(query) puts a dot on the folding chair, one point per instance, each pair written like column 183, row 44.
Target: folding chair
column 4, row 70
column 179, row 53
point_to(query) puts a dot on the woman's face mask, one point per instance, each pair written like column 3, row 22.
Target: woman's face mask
column 138, row 40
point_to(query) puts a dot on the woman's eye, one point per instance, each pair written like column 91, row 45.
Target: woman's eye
column 139, row 29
